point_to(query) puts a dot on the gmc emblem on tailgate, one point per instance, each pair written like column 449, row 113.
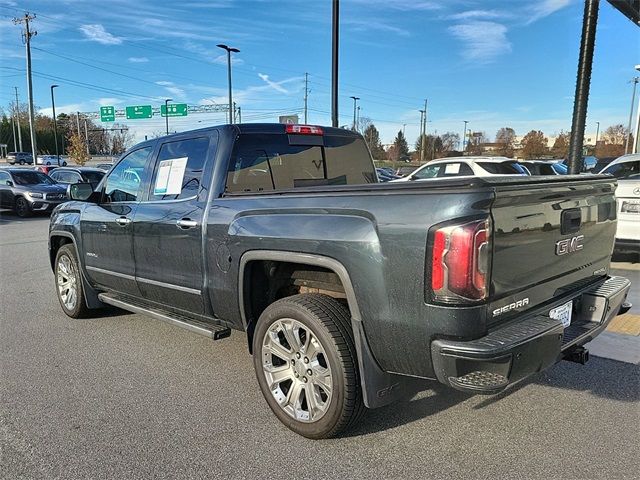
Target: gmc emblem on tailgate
column 569, row 245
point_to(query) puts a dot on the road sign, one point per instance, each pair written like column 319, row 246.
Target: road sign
column 175, row 110
column 291, row 119
column 139, row 111
column 107, row 114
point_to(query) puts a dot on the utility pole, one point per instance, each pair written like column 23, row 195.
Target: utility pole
column 17, row 115
column 464, row 135
column 86, row 136
column 239, row 115
column 633, row 101
column 358, row 120
column 355, row 103
column 306, row 95
column 27, row 42
column 335, row 40
column 13, row 130
column 424, row 133
column 55, row 122
column 422, row 145
column 597, row 133
column 78, row 122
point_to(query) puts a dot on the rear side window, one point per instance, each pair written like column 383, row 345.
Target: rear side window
column 178, row 169
column 268, row 162
column 455, row 169
column 504, row 168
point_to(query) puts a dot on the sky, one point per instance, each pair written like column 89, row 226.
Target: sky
column 494, row 63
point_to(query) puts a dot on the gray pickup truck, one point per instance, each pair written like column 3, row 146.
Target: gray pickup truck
column 350, row 292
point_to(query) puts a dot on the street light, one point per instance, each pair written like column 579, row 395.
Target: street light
column 355, row 101
column 166, row 113
column 229, row 50
column 633, row 101
column 636, row 140
column 55, row 122
column 464, row 135
column 597, row 133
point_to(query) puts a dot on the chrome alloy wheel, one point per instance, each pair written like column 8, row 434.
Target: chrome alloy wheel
column 297, row 370
column 66, row 278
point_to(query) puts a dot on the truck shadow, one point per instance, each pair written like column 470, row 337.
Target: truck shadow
column 600, row 377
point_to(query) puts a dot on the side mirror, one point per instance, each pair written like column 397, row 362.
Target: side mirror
column 9, row 183
column 79, row 191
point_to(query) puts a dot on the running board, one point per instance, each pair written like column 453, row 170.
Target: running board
column 215, row 332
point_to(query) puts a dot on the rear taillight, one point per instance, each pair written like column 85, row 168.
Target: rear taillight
column 460, row 259
column 303, row 129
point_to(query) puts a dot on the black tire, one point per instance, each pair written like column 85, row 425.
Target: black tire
column 64, row 164
column 21, row 162
column 22, row 207
column 79, row 309
column 330, row 323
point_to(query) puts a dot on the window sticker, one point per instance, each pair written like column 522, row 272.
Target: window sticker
column 170, row 176
column 452, row 169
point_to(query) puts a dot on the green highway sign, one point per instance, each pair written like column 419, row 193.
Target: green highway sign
column 139, row 111
column 175, row 110
column 107, row 114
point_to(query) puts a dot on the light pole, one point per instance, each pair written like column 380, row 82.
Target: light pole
column 633, row 101
column 355, row 102
column 335, row 49
column 636, row 140
column 404, row 125
column 166, row 113
column 229, row 50
column 55, row 122
column 597, row 133
column 464, row 135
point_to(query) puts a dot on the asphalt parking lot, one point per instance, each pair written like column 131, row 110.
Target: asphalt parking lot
column 124, row 396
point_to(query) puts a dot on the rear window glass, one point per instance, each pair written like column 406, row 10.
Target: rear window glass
column 268, row 162
column 93, row 177
column 30, row 177
column 504, row 168
column 623, row 170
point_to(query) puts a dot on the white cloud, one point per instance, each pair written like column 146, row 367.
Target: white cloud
column 478, row 14
column 545, row 8
column 222, row 60
column 367, row 25
column 97, row 33
column 483, row 41
column 138, row 59
column 275, row 85
column 403, row 5
column 172, row 88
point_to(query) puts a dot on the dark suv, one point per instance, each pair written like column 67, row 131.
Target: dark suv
column 20, row 158
column 69, row 175
column 27, row 191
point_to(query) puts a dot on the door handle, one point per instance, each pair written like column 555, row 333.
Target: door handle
column 123, row 221
column 185, row 223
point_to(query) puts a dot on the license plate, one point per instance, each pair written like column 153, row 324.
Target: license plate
column 563, row 313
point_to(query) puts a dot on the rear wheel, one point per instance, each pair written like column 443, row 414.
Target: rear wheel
column 22, row 207
column 306, row 365
column 21, row 162
column 69, row 283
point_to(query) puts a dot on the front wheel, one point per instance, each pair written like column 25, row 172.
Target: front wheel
column 22, row 207
column 21, row 162
column 69, row 283
column 306, row 365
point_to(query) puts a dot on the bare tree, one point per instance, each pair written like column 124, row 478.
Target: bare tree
column 120, row 139
column 506, row 138
column 560, row 147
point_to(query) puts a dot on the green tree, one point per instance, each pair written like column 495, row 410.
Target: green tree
column 534, row 145
column 372, row 139
column 401, row 147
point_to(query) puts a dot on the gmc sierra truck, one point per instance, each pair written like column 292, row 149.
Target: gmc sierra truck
column 348, row 290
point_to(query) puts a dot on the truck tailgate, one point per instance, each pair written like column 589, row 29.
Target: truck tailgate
column 549, row 236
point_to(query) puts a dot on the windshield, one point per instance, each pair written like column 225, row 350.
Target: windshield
column 624, row 170
column 93, row 177
column 31, row 177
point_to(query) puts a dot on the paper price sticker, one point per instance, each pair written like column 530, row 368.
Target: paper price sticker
column 170, row 176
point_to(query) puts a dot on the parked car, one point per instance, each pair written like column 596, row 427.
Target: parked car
column 541, row 167
column 69, row 175
column 20, row 158
column 27, row 191
column 466, row 167
column 45, row 168
column 627, row 170
column 589, row 164
column 50, row 160
column 351, row 292
column 104, row 166
column 384, row 175
column 405, row 170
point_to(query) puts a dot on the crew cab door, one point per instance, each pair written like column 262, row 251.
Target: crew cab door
column 107, row 226
column 167, row 229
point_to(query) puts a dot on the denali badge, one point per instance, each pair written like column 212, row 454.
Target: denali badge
column 512, row 306
column 569, row 245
